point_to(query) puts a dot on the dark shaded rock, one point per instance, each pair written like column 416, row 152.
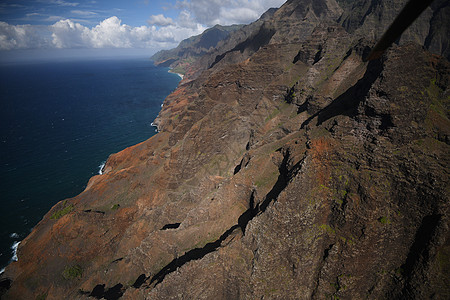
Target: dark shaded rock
column 192, row 48
column 372, row 18
column 292, row 169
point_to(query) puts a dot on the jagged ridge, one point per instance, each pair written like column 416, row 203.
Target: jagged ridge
column 288, row 169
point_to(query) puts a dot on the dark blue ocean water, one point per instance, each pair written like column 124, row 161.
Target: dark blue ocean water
column 59, row 121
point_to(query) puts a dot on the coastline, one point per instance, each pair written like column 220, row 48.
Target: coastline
column 181, row 75
column 14, row 235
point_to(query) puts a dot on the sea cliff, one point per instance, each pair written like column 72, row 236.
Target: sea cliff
column 285, row 167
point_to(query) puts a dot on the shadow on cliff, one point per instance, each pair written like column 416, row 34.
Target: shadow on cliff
column 347, row 103
column 417, row 259
column 285, row 175
column 252, row 43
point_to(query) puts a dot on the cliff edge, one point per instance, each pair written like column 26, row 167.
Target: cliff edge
column 286, row 167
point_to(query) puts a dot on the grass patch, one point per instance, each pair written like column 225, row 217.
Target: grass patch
column 42, row 296
column 433, row 92
column 272, row 115
column 72, row 272
column 62, row 212
column 265, row 181
column 115, row 207
column 271, row 291
column 327, row 228
column 384, row 220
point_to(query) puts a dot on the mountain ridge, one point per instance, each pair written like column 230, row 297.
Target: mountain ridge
column 192, row 48
column 288, row 169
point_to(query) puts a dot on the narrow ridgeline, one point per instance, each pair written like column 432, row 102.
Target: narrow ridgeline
column 286, row 167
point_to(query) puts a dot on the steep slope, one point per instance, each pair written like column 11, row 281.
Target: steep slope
column 189, row 50
column 352, row 203
column 292, row 23
column 363, row 19
column 290, row 169
column 372, row 18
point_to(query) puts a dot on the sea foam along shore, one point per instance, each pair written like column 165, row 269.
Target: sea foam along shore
column 102, row 167
column 181, row 75
column 14, row 251
column 154, row 125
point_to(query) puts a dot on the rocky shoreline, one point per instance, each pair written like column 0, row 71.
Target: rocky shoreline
column 181, row 75
column 285, row 167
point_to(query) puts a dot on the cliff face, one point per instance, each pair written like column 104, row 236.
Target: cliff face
column 191, row 49
column 286, row 167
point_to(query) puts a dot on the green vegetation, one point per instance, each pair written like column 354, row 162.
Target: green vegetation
column 403, row 89
column 274, row 113
column 115, row 206
column 340, row 195
column 72, row 272
column 290, row 95
column 438, row 108
column 327, row 228
column 319, row 132
column 42, row 296
column 266, row 180
column 335, row 285
column 443, row 259
column 437, row 105
column 270, row 291
column 384, row 220
column 62, row 212
column 218, row 165
column 183, row 65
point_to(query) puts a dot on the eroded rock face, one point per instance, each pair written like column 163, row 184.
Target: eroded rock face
column 193, row 48
column 372, row 18
column 290, row 170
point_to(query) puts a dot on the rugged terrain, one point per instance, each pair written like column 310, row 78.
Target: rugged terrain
column 286, row 167
column 191, row 49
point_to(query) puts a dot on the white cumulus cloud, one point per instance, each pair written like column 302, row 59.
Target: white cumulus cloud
column 161, row 32
column 110, row 33
column 21, row 37
column 67, row 34
column 160, row 20
column 227, row 12
column 186, row 20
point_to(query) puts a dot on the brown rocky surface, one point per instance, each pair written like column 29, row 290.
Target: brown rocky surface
column 288, row 170
column 191, row 49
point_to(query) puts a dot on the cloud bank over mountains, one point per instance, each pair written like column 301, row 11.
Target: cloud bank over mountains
column 110, row 33
column 160, row 31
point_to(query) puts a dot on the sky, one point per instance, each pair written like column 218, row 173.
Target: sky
column 109, row 24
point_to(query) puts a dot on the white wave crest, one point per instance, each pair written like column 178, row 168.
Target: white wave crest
column 154, row 125
column 102, row 166
column 14, row 251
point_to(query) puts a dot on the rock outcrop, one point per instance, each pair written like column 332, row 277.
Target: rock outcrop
column 191, row 49
column 286, row 167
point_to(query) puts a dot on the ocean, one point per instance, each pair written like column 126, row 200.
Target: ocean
column 59, row 122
